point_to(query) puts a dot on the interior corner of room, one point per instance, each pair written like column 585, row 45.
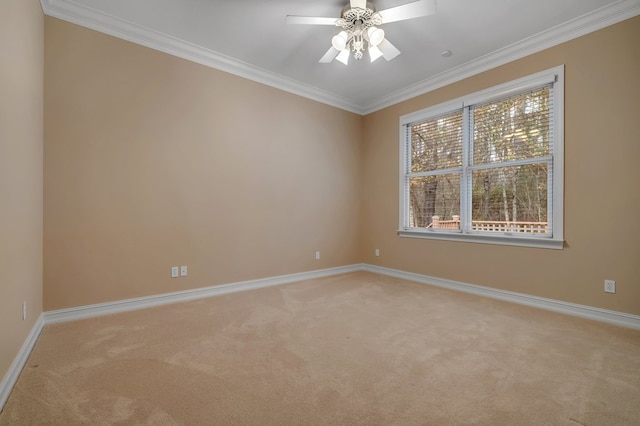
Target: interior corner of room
column 119, row 163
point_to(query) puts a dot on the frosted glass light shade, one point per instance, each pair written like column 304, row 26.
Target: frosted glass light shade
column 376, row 35
column 339, row 41
column 374, row 53
column 343, row 56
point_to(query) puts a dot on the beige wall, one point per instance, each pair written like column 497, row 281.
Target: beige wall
column 153, row 161
column 21, row 82
column 602, row 201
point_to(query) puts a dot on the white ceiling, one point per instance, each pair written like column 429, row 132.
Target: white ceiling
column 250, row 38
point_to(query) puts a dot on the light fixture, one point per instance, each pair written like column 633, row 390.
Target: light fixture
column 376, row 35
column 339, row 41
column 359, row 34
column 359, row 22
column 343, row 56
column 374, row 52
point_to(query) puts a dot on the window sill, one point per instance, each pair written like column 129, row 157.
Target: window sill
column 546, row 243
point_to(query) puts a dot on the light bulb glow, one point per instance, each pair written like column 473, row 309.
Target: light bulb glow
column 339, row 41
column 376, row 35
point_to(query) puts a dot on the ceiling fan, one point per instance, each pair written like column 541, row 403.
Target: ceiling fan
column 359, row 21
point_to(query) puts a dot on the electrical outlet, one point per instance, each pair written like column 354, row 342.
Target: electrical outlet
column 609, row 286
column 24, row 310
column 377, row 252
column 174, row 272
column 317, row 255
column 183, row 271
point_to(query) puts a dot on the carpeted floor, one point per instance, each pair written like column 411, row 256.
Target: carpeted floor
column 355, row 349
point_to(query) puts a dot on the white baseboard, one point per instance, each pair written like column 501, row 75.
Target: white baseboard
column 81, row 312
column 603, row 315
column 10, row 379
column 62, row 315
column 88, row 311
column 583, row 311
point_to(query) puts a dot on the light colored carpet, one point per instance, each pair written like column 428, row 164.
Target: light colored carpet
column 355, row 349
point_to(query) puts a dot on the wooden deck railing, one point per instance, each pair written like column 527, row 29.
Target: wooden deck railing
column 497, row 226
column 491, row 225
column 436, row 223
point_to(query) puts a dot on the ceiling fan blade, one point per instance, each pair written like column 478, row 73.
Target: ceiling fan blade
column 389, row 51
column 309, row 20
column 362, row 4
column 329, row 56
column 411, row 10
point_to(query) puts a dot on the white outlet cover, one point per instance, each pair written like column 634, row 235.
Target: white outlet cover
column 183, row 271
column 609, row 286
column 174, row 272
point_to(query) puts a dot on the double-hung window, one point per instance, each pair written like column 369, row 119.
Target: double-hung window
column 487, row 167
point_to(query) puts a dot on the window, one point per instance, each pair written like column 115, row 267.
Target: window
column 487, row 167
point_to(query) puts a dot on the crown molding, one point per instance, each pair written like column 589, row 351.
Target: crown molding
column 596, row 20
column 70, row 11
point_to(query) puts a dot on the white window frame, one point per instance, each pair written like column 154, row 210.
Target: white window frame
column 553, row 76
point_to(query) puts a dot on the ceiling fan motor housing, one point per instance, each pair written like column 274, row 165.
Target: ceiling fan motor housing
column 356, row 22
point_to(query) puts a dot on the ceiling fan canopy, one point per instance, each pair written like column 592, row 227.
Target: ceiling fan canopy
column 359, row 21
